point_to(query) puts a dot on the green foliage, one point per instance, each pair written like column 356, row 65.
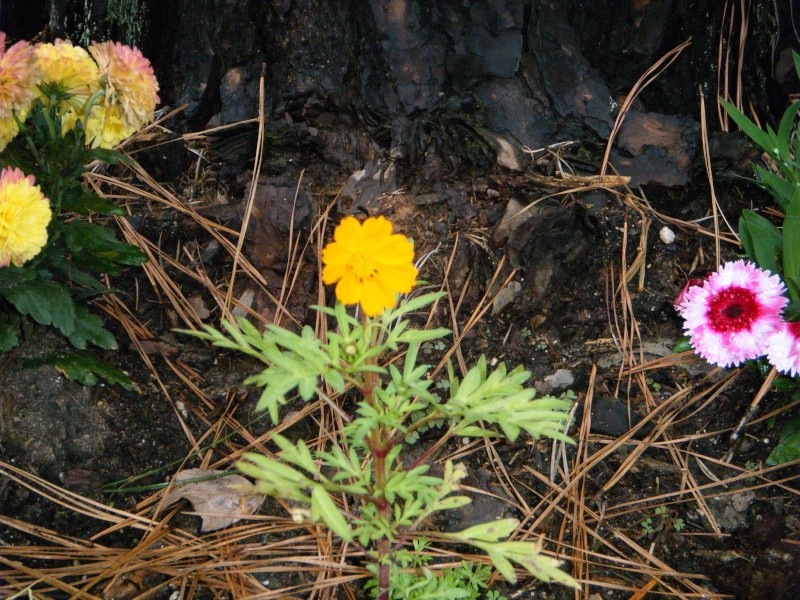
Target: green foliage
column 85, row 369
column 413, row 579
column 788, row 448
column 391, row 496
column 51, row 289
column 774, row 249
column 662, row 519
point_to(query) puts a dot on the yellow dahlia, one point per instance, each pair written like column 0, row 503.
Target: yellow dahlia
column 69, row 75
column 24, row 216
column 129, row 81
column 370, row 263
column 8, row 131
column 18, row 75
column 105, row 127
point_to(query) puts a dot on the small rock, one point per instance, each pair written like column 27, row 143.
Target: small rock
column 514, row 216
column 427, row 199
column 509, row 152
column 667, row 235
column 560, row 380
column 506, row 296
column 730, row 511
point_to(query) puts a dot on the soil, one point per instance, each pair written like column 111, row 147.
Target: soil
column 564, row 320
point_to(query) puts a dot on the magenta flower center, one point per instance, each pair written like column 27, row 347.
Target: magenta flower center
column 733, row 309
column 794, row 329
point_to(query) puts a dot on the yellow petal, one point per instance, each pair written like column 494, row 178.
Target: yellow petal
column 377, row 228
column 347, row 231
column 375, row 297
column 349, row 290
column 396, row 250
column 333, row 273
column 397, row 278
column 336, row 254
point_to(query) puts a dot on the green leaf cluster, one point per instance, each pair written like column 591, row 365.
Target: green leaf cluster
column 774, row 249
column 374, row 486
column 54, row 287
column 788, row 447
column 413, row 578
column 782, row 176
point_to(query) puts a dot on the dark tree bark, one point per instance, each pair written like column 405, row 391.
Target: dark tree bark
column 543, row 70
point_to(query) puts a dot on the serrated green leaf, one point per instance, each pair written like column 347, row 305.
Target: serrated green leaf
column 9, row 337
column 45, row 302
column 85, row 369
column 324, row 508
column 88, row 202
column 96, row 247
column 298, row 454
column 89, row 329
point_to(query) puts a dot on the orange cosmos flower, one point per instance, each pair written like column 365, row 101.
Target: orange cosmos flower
column 370, row 263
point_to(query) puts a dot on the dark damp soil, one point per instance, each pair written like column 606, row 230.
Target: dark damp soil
column 558, row 325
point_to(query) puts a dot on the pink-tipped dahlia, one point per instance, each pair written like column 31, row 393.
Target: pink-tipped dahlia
column 783, row 348
column 18, row 76
column 730, row 317
column 131, row 89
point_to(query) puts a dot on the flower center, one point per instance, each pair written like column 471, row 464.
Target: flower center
column 733, row 309
column 362, row 266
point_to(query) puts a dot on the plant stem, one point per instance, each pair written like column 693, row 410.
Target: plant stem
column 378, row 446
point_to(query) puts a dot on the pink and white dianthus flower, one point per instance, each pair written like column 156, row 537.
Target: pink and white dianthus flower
column 730, row 317
column 783, row 348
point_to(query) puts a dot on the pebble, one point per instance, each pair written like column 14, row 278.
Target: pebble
column 667, row 235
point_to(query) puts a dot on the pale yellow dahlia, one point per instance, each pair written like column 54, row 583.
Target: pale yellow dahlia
column 8, row 131
column 129, row 81
column 69, row 75
column 370, row 263
column 105, row 127
column 24, row 216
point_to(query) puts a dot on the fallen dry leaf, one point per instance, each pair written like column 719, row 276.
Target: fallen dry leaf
column 220, row 501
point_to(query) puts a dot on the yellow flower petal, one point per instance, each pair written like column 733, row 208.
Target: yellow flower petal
column 333, row 273
column 349, row 289
column 377, row 229
column 400, row 279
column 336, row 254
column 348, row 230
column 376, row 298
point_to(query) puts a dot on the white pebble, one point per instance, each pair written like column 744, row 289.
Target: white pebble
column 667, row 235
